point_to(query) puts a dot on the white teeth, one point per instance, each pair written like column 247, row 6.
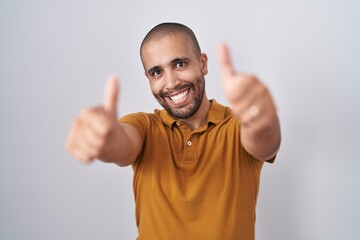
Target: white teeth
column 179, row 97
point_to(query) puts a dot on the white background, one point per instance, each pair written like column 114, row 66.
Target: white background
column 56, row 55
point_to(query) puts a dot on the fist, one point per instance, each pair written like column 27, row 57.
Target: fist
column 94, row 128
column 250, row 100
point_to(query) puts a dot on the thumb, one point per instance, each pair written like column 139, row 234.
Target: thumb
column 111, row 95
column 226, row 68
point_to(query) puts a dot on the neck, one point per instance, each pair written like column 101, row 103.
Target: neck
column 199, row 118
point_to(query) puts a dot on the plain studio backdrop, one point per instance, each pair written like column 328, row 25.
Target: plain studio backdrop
column 56, row 55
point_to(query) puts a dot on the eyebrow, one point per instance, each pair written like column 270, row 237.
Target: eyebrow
column 179, row 59
column 172, row 62
column 153, row 69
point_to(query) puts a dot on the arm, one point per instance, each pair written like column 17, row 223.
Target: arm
column 253, row 106
column 96, row 134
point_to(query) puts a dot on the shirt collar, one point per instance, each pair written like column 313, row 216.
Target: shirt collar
column 215, row 115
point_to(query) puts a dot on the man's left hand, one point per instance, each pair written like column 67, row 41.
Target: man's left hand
column 253, row 106
column 250, row 99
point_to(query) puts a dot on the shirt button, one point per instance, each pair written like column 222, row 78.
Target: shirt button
column 189, row 143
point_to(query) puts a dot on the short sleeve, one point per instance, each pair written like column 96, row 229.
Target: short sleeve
column 139, row 120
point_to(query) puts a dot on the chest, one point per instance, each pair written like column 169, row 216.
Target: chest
column 187, row 165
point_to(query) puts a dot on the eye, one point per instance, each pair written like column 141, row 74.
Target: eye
column 180, row 64
column 156, row 73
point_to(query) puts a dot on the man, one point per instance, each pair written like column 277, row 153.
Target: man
column 196, row 163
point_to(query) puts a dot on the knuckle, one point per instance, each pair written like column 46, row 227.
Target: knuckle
column 85, row 159
column 249, row 77
column 252, row 79
column 68, row 146
column 262, row 89
column 77, row 124
column 88, row 112
column 85, row 112
column 71, row 146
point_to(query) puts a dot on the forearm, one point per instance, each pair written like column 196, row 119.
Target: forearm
column 123, row 146
column 262, row 140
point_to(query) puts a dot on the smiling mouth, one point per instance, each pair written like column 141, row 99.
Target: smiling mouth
column 179, row 97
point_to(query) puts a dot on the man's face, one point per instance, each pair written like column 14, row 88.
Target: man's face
column 176, row 74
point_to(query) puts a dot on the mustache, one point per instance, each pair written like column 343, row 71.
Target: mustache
column 176, row 89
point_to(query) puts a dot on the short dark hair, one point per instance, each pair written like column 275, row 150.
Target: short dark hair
column 169, row 28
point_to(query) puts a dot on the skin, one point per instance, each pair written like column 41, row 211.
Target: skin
column 173, row 68
column 260, row 130
column 96, row 133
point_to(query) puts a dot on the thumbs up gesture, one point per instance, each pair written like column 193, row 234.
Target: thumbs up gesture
column 94, row 129
column 249, row 98
column 253, row 106
column 111, row 95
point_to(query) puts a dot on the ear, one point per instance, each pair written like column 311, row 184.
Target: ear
column 146, row 75
column 203, row 62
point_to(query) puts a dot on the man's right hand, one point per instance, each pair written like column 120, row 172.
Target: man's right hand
column 94, row 132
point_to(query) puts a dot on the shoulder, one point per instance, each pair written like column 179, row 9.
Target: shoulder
column 145, row 121
column 141, row 117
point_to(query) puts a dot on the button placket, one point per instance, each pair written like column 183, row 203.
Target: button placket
column 190, row 150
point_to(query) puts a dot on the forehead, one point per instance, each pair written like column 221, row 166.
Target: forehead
column 160, row 51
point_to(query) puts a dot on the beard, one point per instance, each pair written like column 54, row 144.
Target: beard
column 198, row 89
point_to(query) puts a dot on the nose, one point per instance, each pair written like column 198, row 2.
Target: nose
column 171, row 80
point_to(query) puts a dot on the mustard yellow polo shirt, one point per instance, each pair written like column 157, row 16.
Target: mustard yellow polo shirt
column 198, row 184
